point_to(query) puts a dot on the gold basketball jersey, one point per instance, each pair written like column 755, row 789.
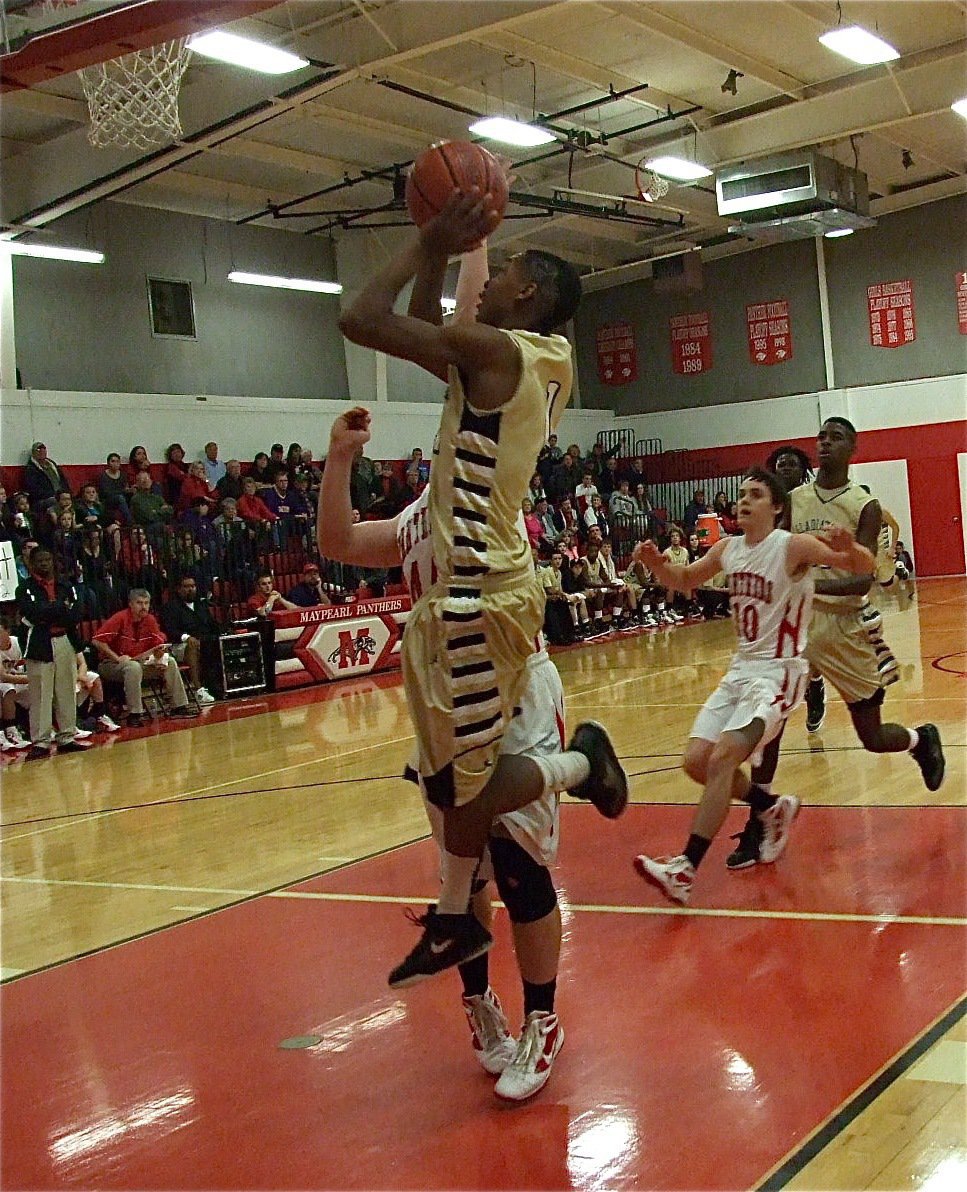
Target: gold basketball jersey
column 815, row 508
column 483, row 462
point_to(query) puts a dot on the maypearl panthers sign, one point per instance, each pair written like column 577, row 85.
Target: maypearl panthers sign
column 317, row 645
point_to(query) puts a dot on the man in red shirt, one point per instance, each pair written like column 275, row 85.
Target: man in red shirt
column 130, row 643
column 266, row 598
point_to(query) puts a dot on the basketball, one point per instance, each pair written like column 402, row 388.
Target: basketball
column 450, row 166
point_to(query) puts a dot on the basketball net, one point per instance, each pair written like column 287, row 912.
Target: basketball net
column 133, row 100
column 651, row 186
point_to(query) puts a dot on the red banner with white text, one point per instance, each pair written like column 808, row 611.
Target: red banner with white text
column 960, row 280
column 769, row 331
column 691, row 341
column 617, row 354
column 892, row 322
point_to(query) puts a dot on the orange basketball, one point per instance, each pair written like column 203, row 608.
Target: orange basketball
column 450, row 166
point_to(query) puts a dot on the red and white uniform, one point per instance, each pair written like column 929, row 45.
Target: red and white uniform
column 537, row 731
column 767, row 677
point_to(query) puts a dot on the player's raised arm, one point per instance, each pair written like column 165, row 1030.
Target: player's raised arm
column 681, row 578
column 371, row 321
column 834, row 547
column 367, row 544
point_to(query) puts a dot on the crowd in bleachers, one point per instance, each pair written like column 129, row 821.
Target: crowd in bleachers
column 210, row 542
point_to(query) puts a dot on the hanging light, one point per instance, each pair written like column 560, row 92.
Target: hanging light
column 512, row 132
column 859, row 45
column 285, row 283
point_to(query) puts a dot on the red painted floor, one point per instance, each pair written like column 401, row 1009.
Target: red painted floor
column 699, row 1050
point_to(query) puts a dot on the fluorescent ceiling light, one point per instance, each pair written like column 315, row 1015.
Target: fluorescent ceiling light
column 52, row 252
column 285, row 283
column 449, row 305
column 243, row 51
column 678, row 169
column 837, row 232
column 960, row 107
column 858, row 45
column 512, row 132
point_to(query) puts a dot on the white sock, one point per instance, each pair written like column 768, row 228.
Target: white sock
column 914, row 738
column 563, row 771
column 765, row 786
column 457, row 880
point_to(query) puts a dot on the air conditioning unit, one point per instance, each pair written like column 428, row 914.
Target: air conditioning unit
column 793, row 195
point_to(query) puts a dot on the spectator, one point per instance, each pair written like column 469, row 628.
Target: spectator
column 138, row 462
column 113, row 489
column 91, row 709
column 25, row 527
column 309, row 592
column 730, row 519
column 536, row 491
column 621, row 504
column 694, row 509
column 233, row 549
column 175, row 473
column 148, row 509
column 197, row 519
column 214, row 468
column 138, row 563
column 416, row 465
column 6, row 516
column 47, row 607
column 96, row 584
column 567, row 545
column 720, row 504
column 65, row 546
column 413, row 487
column 260, row 471
column 596, row 460
column 276, row 463
column 596, row 518
column 584, row 492
column 563, row 480
column 267, row 599
column 14, row 691
column 193, row 632
column 640, row 583
column 603, row 596
column 392, row 493
column 677, row 553
column 252, row 508
column 694, row 548
column 609, row 478
column 364, row 483
column 566, row 613
column 230, row 485
column 574, row 451
column 565, row 518
column 131, row 645
column 186, row 557
column 904, row 563
column 293, row 461
column 291, row 514
column 549, row 457
column 88, row 510
column 532, row 525
column 633, row 471
column 625, row 604
column 549, row 531
column 195, row 485
column 308, row 468
column 576, row 582
column 43, row 479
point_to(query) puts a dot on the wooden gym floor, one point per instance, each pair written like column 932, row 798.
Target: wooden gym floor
column 197, row 927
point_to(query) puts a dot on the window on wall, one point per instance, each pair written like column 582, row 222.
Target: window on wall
column 171, row 308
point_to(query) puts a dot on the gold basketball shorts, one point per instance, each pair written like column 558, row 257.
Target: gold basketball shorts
column 839, row 647
column 464, row 658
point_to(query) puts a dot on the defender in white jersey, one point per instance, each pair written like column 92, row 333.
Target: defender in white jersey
column 770, row 594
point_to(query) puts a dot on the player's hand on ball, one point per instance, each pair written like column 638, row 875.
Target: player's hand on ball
column 351, row 430
column 462, row 224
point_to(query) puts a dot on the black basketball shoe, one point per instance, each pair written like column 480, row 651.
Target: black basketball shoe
column 929, row 756
column 815, row 705
column 746, row 853
column 447, row 940
column 607, row 785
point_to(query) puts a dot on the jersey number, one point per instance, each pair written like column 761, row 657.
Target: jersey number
column 746, row 621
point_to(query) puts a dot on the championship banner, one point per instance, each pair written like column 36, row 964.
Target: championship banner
column 960, row 281
column 338, row 641
column 691, row 343
column 9, row 579
column 617, row 354
column 891, row 314
column 770, row 335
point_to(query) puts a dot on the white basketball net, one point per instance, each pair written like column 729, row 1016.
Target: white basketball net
column 652, row 186
column 133, row 101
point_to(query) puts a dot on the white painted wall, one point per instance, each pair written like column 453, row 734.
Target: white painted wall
column 81, row 428
column 887, row 480
column 872, row 407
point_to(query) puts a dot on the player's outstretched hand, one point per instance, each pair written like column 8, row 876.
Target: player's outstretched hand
column 464, row 222
column 649, row 554
column 837, row 538
column 351, row 430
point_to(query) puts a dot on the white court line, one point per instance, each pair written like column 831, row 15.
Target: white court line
column 686, row 911
column 53, row 881
column 6, row 973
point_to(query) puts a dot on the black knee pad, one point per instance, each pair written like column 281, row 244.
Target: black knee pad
column 525, row 887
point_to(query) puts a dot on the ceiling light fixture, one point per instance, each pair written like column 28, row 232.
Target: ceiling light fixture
column 859, row 45
column 678, row 169
column 960, row 107
column 731, row 84
column 512, row 132
column 285, row 283
column 243, row 51
column 837, row 232
column 449, row 305
column 52, row 252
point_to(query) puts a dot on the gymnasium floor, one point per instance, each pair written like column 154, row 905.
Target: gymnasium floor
column 198, row 926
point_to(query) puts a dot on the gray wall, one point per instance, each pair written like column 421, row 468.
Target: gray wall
column 86, row 327
column 925, row 244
